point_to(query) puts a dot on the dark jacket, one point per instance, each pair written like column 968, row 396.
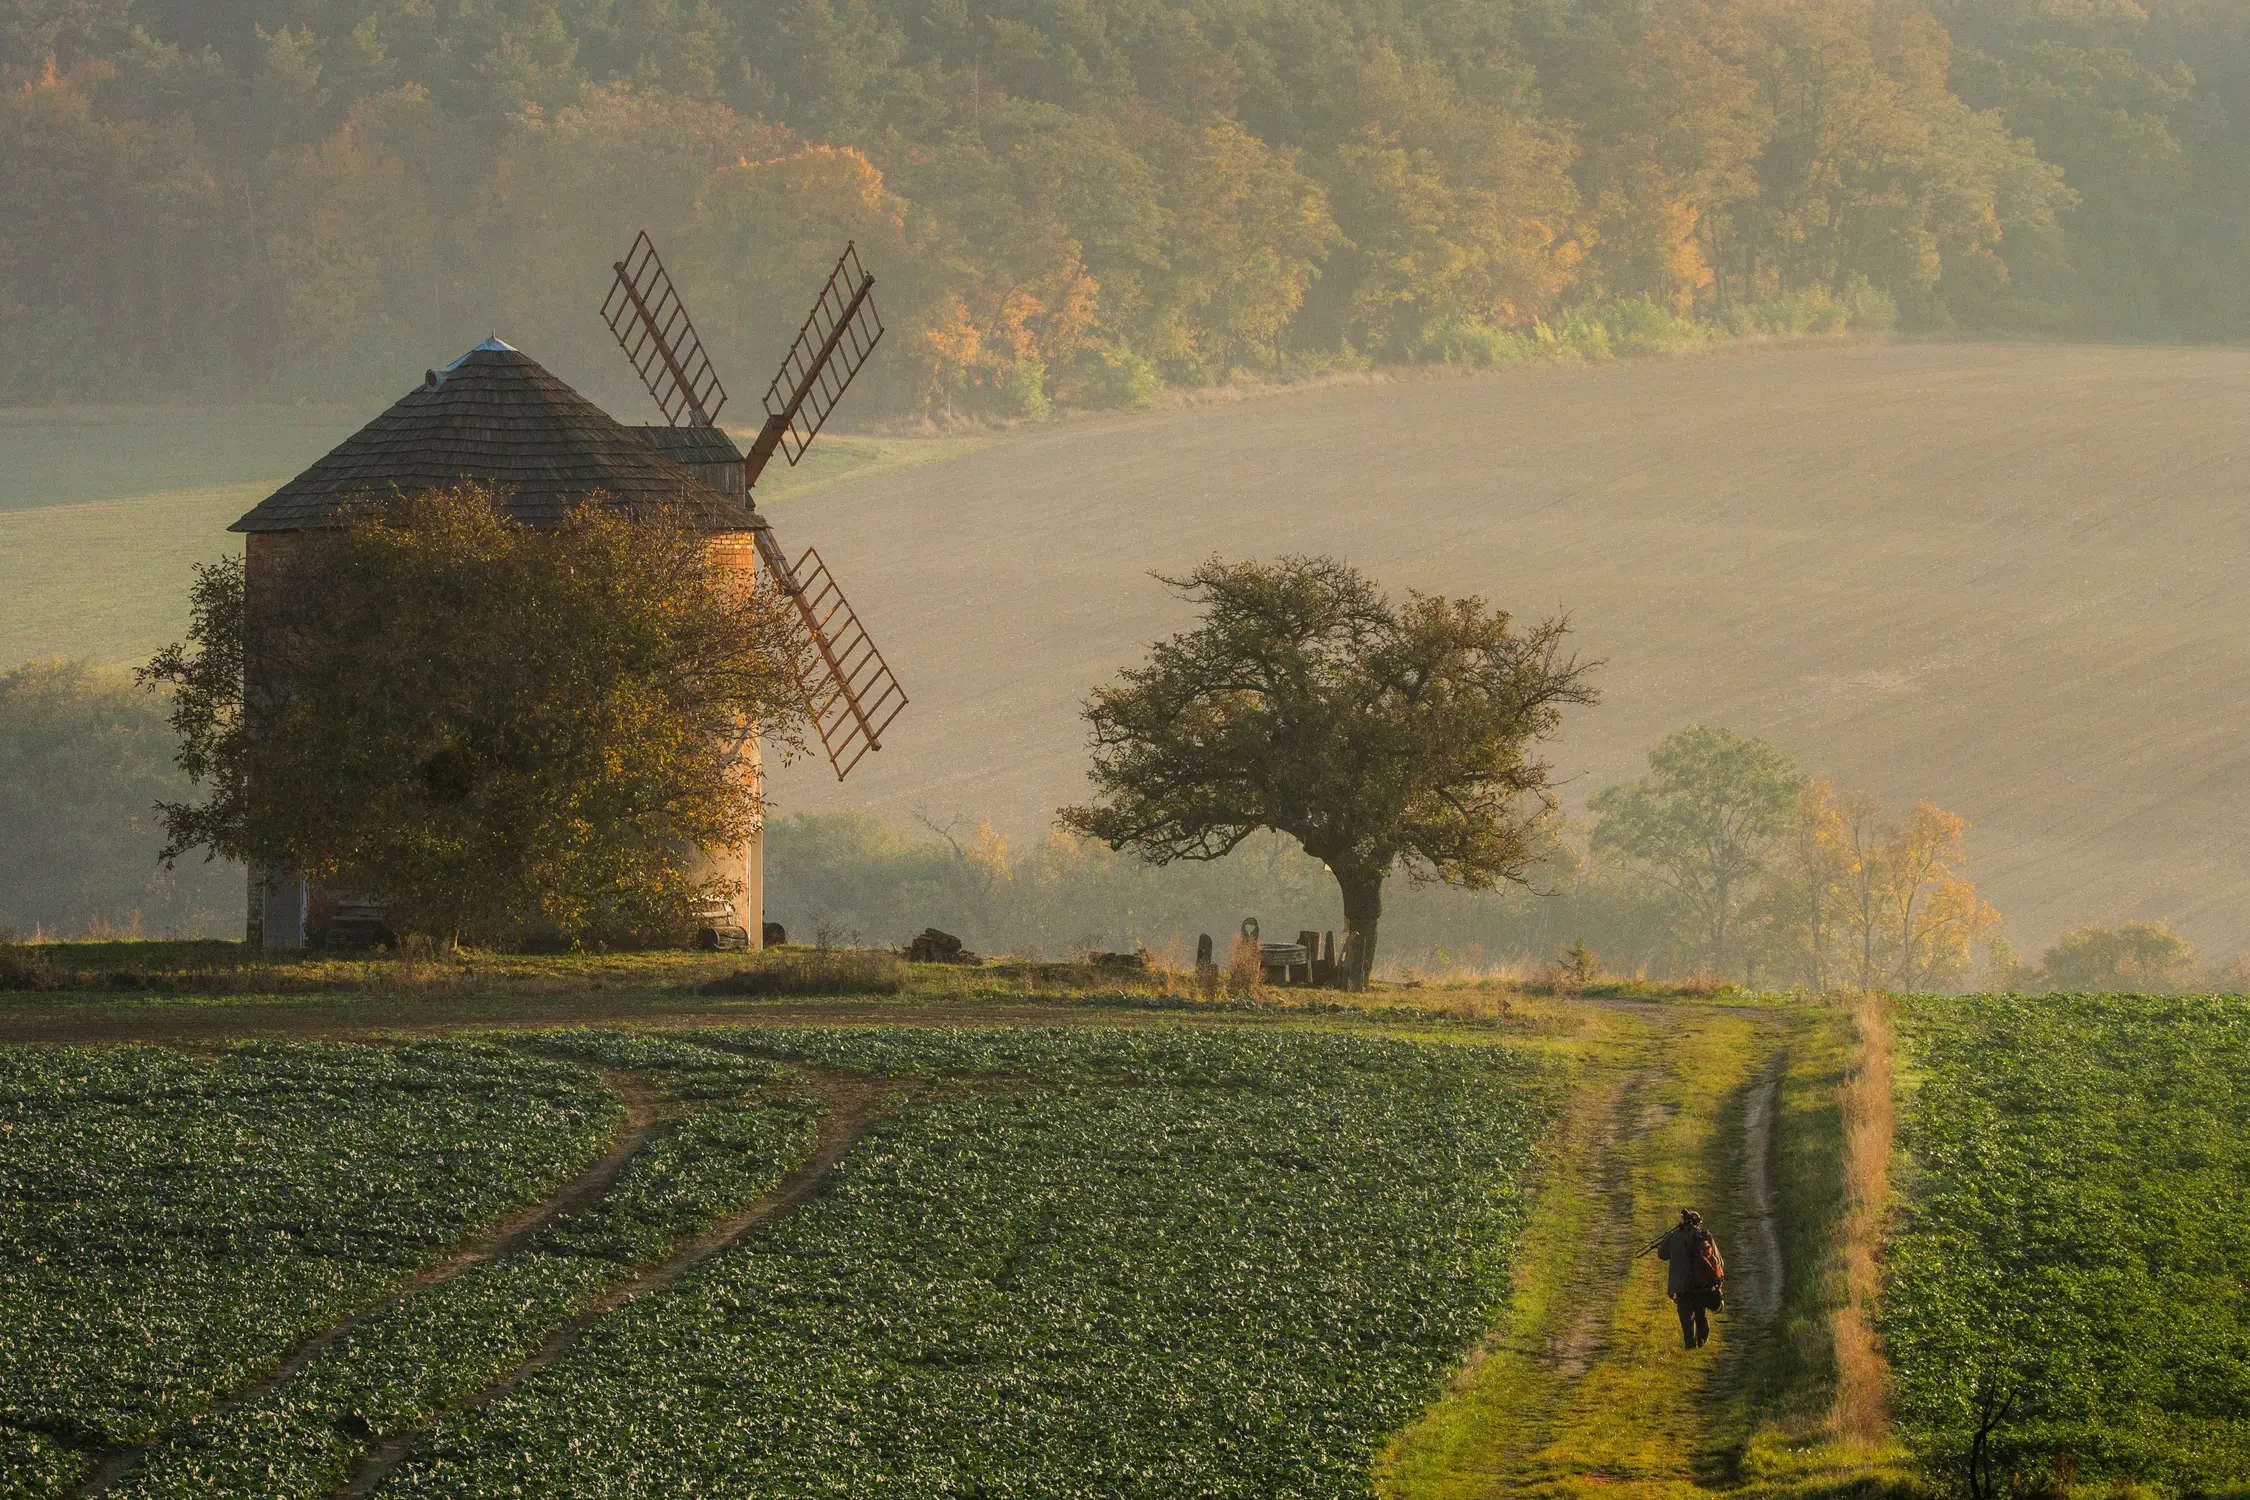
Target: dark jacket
column 1679, row 1248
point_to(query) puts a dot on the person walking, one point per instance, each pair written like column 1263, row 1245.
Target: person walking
column 1695, row 1272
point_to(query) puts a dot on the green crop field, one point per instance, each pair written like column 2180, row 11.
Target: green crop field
column 2074, row 1277
column 170, row 1226
column 1037, row 1230
column 1146, row 1261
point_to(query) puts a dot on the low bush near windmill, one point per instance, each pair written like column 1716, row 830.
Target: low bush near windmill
column 822, row 971
column 1124, row 1263
column 2068, row 1299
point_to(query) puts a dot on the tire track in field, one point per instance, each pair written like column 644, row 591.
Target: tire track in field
column 643, row 1117
column 1756, row 1199
column 853, row 1108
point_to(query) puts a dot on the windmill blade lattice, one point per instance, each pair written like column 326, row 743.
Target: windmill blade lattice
column 850, row 694
column 652, row 327
column 838, row 335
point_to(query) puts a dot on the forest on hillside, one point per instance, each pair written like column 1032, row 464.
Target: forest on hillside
column 1081, row 200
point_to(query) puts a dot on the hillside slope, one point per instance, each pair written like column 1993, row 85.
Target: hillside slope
column 2007, row 579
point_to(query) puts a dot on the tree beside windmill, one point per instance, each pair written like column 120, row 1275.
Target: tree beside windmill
column 539, row 457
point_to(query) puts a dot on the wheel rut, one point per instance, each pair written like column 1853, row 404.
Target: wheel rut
column 853, row 1108
column 1757, row 1197
column 643, row 1117
column 1572, row 1349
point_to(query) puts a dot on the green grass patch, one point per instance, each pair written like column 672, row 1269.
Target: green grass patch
column 108, row 580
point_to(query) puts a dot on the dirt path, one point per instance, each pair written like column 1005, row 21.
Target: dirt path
column 643, row 1116
column 1587, row 1386
column 853, row 1107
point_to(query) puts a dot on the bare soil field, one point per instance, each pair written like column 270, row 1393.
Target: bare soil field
column 2004, row 578
column 2008, row 579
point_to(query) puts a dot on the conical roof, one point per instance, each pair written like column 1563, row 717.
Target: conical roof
column 497, row 415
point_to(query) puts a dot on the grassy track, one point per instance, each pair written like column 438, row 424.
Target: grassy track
column 1584, row 1389
column 1588, row 1386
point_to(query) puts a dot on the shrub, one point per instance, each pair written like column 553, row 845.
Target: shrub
column 1023, row 390
column 1457, row 340
column 21, row 969
column 1868, row 309
column 1644, row 326
column 823, row 971
column 1114, row 378
column 1861, row 307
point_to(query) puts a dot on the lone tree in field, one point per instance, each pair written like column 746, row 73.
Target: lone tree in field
column 1379, row 736
column 486, row 727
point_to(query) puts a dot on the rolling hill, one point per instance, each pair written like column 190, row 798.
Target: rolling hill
column 2008, row 579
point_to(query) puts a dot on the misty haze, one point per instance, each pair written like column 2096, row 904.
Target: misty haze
column 790, row 747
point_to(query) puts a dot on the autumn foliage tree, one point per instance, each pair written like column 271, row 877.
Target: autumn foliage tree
column 1862, row 900
column 1066, row 200
column 1381, row 736
column 490, row 729
column 1776, row 877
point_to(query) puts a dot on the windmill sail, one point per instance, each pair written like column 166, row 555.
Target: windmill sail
column 850, row 694
column 839, row 333
column 652, row 327
column 849, row 690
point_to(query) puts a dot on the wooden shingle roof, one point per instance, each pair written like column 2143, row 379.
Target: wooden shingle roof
column 497, row 415
column 690, row 445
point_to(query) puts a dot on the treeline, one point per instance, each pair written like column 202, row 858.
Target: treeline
column 85, row 756
column 1724, row 861
column 1072, row 202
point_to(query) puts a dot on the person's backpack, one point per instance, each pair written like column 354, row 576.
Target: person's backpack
column 1706, row 1266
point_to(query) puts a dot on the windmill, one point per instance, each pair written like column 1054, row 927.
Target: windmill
column 850, row 694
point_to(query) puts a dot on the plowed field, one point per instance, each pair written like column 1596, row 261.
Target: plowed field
column 2008, row 579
